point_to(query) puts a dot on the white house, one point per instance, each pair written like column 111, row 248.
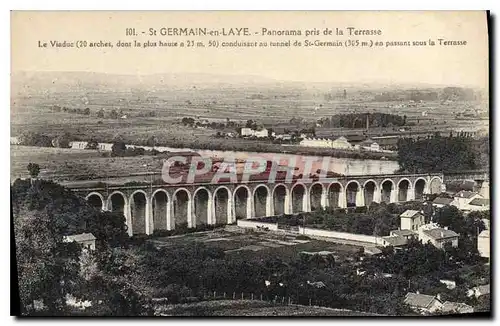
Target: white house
column 450, row 285
column 463, row 198
column 339, row 143
column 422, row 303
column 412, row 220
column 15, row 141
column 369, row 145
column 282, row 136
column 483, row 243
column 105, row 147
column 74, row 302
column 246, row 132
column 479, row 291
column 249, row 132
column 437, row 236
column 78, row 144
column 87, row 240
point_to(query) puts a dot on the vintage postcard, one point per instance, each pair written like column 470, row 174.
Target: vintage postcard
column 223, row 163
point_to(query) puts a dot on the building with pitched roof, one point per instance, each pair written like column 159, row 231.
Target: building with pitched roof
column 403, row 233
column 479, row 291
column 339, row 143
column 394, row 241
column 437, row 236
column 479, row 204
column 412, row 220
column 87, row 240
column 456, row 308
column 442, row 201
column 422, row 303
column 462, row 199
column 450, row 285
column 369, row 145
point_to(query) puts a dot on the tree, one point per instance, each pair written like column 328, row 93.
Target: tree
column 187, row 121
column 118, row 149
column 436, row 154
column 100, row 113
column 113, row 114
column 34, row 169
column 35, row 139
column 252, row 124
column 70, row 214
column 151, row 141
column 48, row 267
column 86, row 111
column 62, row 141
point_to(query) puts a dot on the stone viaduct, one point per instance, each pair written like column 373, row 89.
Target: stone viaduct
column 152, row 207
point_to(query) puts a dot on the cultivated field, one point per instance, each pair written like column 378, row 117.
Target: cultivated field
column 67, row 164
column 267, row 103
column 237, row 242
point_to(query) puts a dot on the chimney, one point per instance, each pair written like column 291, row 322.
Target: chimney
column 442, row 234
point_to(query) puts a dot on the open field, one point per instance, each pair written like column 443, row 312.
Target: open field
column 267, row 101
column 237, row 242
column 63, row 163
column 251, row 308
column 35, row 113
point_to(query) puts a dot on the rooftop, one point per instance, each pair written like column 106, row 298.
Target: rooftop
column 403, row 233
column 440, row 233
column 341, row 138
column 480, row 202
column 372, row 251
column 419, row 300
column 449, row 306
column 483, row 289
column 484, row 234
column 395, row 241
column 80, row 237
column 465, row 194
column 442, row 201
column 409, row 213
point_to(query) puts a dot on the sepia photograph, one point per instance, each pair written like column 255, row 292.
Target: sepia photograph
column 250, row 164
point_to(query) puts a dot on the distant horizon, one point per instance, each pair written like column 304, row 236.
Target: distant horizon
column 257, row 76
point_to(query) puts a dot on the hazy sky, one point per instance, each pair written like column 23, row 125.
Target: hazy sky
column 458, row 65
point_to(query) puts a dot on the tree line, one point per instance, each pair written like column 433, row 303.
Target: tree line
column 358, row 120
column 101, row 113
